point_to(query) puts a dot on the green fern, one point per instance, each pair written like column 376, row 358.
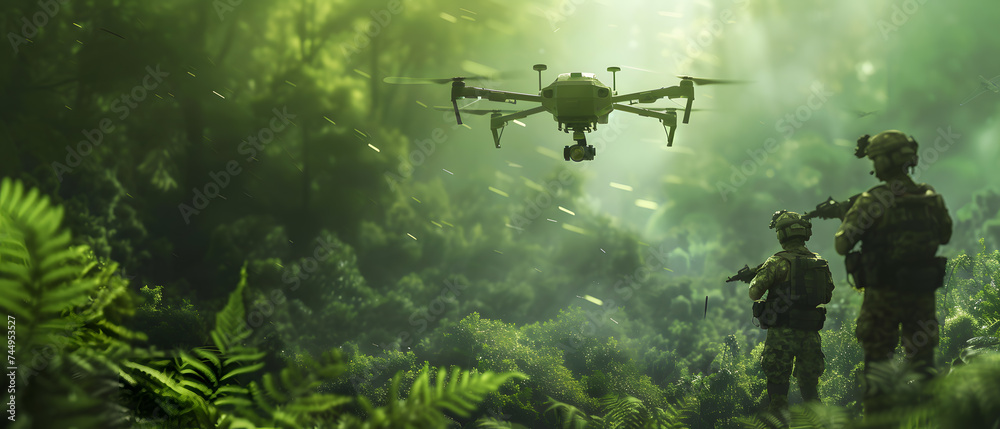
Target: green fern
column 808, row 415
column 427, row 403
column 62, row 301
column 203, row 380
column 624, row 412
column 572, row 417
column 292, row 398
column 492, row 423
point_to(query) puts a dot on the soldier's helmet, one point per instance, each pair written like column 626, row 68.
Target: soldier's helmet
column 892, row 150
column 790, row 225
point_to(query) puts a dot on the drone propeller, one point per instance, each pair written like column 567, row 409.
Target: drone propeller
column 402, row 80
column 475, row 111
column 674, row 109
column 703, row 81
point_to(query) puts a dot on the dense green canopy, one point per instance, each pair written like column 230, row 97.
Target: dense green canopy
column 187, row 139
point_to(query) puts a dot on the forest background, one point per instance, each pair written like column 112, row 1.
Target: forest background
column 188, row 139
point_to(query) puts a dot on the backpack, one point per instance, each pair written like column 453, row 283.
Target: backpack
column 793, row 302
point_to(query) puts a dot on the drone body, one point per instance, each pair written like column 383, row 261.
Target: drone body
column 577, row 101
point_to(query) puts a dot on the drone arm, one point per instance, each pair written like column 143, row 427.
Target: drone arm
column 496, row 95
column 497, row 122
column 669, row 119
column 653, row 95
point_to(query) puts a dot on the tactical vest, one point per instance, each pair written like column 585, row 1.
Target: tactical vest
column 907, row 231
column 793, row 302
column 898, row 249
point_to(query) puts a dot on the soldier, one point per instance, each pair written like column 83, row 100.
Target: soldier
column 797, row 281
column 900, row 225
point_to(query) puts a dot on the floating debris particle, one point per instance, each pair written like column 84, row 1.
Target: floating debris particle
column 591, row 299
column 575, row 229
column 646, row 204
column 617, row 185
column 498, row 192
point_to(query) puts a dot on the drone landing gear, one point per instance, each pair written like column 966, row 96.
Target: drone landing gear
column 497, row 126
column 580, row 151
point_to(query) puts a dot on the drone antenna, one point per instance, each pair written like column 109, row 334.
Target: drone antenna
column 539, row 68
column 614, row 70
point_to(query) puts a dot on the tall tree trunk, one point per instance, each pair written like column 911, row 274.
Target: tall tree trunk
column 306, row 179
column 372, row 112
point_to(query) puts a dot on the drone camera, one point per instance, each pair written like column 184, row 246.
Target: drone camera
column 577, row 153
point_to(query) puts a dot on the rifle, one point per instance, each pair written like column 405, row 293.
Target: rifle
column 831, row 208
column 745, row 274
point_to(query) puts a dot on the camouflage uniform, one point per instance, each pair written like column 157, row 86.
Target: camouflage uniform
column 888, row 301
column 900, row 225
column 791, row 341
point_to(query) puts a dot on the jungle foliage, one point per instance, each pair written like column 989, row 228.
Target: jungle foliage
column 394, row 269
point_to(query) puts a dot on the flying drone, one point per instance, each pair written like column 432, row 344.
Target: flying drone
column 984, row 85
column 577, row 101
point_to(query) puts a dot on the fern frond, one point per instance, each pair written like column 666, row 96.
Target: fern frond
column 573, row 417
column 209, row 355
column 243, row 354
column 463, row 391
column 230, row 327
column 242, row 370
column 60, row 302
column 292, row 395
column 191, row 365
column 174, row 389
